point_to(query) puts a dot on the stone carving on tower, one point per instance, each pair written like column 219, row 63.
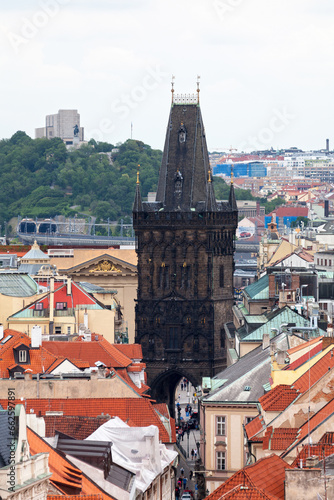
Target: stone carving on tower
column 185, row 246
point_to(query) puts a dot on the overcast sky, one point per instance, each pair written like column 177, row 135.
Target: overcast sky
column 266, row 68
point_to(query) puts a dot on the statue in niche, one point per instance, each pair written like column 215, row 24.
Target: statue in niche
column 182, row 133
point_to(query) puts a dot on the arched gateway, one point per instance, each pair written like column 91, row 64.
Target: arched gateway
column 185, row 245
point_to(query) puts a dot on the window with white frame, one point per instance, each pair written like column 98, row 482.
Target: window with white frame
column 221, row 460
column 221, row 426
column 22, row 356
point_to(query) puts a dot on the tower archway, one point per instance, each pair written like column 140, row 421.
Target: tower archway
column 163, row 387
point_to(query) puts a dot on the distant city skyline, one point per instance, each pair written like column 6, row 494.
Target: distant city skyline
column 265, row 67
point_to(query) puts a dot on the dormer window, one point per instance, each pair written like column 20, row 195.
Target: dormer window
column 61, row 306
column 39, row 306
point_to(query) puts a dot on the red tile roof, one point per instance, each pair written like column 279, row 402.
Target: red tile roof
column 132, row 351
column 278, row 398
column 279, row 438
column 139, row 410
column 304, row 345
column 281, row 396
column 319, row 450
column 290, row 211
column 318, row 370
column 242, row 492
column 41, row 359
column 254, row 426
column 267, row 474
column 65, row 475
column 314, row 422
column 90, row 352
column 78, row 297
column 74, row 426
column 305, row 357
column 74, row 497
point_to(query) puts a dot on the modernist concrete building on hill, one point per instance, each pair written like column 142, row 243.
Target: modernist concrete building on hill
column 64, row 124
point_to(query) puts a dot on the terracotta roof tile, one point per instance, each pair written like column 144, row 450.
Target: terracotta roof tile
column 140, row 410
column 74, row 426
column 314, row 422
column 90, row 352
column 254, row 426
column 242, row 492
column 268, row 474
column 132, row 351
column 64, row 474
column 318, row 370
column 278, row 398
column 279, row 438
column 75, row 497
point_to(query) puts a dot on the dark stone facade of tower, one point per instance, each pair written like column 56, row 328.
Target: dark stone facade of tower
column 185, row 246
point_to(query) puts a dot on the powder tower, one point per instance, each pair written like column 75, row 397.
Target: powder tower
column 185, row 246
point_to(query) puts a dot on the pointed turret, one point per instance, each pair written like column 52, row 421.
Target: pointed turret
column 231, row 199
column 137, row 205
column 211, row 205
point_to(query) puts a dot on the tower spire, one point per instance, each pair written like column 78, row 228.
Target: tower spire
column 137, row 205
column 211, row 205
column 198, row 89
column 172, row 91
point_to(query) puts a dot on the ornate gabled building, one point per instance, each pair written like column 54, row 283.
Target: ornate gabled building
column 185, row 246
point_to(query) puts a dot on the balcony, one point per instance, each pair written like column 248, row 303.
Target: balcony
column 57, row 313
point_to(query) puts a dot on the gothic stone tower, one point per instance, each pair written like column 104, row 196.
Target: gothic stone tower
column 185, row 245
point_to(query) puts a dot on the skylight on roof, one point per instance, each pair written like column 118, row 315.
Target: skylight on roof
column 7, row 338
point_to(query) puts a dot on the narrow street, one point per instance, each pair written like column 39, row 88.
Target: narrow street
column 189, row 440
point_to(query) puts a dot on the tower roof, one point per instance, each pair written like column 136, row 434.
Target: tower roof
column 183, row 179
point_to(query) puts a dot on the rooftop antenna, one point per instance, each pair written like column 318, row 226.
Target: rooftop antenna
column 198, row 89
column 173, row 78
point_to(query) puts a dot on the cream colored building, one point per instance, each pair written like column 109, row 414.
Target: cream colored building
column 229, row 405
column 112, row 269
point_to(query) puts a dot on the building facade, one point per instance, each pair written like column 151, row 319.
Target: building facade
column 185, row 261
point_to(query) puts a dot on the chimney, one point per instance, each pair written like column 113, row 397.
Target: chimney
column 265, row 340
column 52, row 299
column 1, row 331
column 69, row 286
column 86, row 318
column 36, row 337
column 312, row 461
column 326, row 208
column 257, row 208
column 327, row 145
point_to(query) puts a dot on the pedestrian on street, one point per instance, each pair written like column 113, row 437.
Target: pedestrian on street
column 184, row 482
column 181, row 386
column 190, row 475
column 182, row 471
column 192, row 454
column 195, row 452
